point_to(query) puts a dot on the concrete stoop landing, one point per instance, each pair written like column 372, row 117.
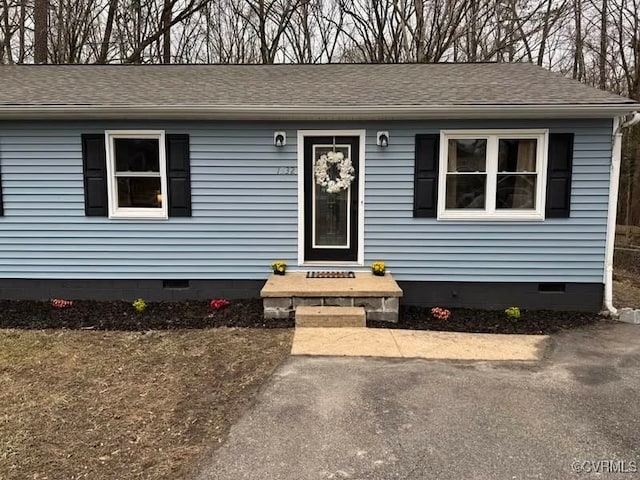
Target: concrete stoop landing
column 335, row 302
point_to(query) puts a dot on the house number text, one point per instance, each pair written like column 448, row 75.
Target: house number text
column 287, row 170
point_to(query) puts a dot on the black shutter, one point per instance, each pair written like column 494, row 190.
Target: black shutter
column 94, row 165
column 425, row 189
column 559, row 175
column 178, row 175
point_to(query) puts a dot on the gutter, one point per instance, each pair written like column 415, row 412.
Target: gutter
column 308, row 112
column 614, row 186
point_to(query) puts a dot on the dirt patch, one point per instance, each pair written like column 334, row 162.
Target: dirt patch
column 122, row 316
column 123, row 405
column 626, row 260
column 532, row 322
column 626, row 277
column 626, row 290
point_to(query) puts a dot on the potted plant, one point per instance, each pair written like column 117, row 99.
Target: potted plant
column 378, row 269
column 279, row 267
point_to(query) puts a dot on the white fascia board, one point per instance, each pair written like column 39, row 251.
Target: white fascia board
column 292, row 112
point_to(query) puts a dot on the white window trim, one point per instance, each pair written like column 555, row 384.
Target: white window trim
column 490, row 213
column 117, row 212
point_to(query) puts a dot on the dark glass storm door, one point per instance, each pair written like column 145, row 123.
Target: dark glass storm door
column 330, row 219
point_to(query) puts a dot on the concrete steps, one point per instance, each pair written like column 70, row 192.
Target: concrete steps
column 282, row 295
column 330, row 316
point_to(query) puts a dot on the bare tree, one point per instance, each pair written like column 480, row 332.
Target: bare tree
column 41, row 30
column 147, row 34
column 626, row 24
column 602, row 61
column 594, row 41
column 268, row 19
column 578, row 46
column 5, row 40
column 108, row 29
column 166, row 27
column 546, row 24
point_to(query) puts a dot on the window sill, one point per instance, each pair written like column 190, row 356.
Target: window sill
column 490, row 217
column 138, row 215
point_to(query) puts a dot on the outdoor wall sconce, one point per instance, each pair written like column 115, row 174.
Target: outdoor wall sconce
column 279, row 139
column 383, row 139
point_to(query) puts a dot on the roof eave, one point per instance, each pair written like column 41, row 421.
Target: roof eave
column 287, row 112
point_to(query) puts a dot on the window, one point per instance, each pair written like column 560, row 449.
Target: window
column 136, row 174
column 492, row 175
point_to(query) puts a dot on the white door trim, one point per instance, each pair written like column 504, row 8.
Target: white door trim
column 360, row 176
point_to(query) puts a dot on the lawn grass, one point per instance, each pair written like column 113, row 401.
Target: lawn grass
column 125, row 405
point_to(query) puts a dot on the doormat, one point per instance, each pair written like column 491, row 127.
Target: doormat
column 331, row 275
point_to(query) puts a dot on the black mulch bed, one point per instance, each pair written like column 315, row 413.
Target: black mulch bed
column 86, row 314
column 531, row 322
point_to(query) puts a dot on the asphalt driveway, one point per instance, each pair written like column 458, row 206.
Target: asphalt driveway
column 574, row 415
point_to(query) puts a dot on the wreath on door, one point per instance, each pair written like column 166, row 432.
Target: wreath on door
column 344, row 168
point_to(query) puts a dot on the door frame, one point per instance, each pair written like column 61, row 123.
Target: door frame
column 361, row 134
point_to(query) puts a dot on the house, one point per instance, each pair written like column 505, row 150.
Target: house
column 479, row 185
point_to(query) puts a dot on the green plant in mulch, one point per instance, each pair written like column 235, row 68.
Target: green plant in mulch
column 513, row 313
column 139, row 305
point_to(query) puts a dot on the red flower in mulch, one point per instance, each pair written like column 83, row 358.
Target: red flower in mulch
column 219, row 303
column 59, row 303
column 440, row 313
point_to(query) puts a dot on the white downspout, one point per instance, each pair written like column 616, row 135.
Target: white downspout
column 614, row 185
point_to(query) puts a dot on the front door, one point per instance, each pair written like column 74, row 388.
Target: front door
column 330, row 202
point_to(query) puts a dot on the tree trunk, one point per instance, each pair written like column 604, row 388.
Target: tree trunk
column 602, row 61
column 7, row 32
column 166, row 37
column 419, row 35
column 545, row 33
column 578, row 56
column 58, row 50
column 41, row 30
column 21, row 31
column 108, row 29
column 262, row 33
column 471, row 32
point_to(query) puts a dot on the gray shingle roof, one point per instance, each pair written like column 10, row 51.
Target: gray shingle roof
column 281, row 86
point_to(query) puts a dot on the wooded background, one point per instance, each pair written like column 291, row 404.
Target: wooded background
column 593, row 41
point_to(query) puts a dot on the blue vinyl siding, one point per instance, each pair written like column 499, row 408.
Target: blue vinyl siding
column 245, row 215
